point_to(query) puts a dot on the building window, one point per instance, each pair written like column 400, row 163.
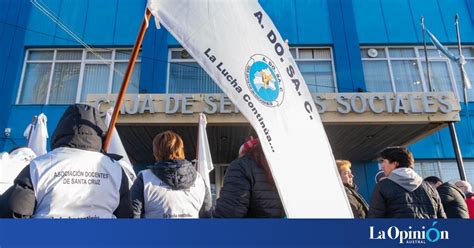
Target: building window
column 65, row 76
column 403, row 69
column 186, row 76
column 446, row 170
column 317, row 67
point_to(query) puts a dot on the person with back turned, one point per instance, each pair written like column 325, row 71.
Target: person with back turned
column 75, row 179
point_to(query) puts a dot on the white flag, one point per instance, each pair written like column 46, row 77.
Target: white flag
column 116, row 147
column 39, row 135
column 204, row 159
column 240, row 48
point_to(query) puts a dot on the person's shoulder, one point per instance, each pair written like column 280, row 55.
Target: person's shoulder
column 244, row 161
column 446, row 187
column 429, row 188
column 386, row 186
column 244, row 164
column 385, row 182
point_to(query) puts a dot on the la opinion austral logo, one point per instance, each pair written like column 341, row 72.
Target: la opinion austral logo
column 409, row 235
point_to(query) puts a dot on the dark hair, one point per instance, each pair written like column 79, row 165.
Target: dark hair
column 433, row 180
column 401, row 155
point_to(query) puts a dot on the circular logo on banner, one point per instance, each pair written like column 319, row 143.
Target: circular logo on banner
column 264, row 80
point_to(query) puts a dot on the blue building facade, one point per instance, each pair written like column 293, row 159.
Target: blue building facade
column 340, row 46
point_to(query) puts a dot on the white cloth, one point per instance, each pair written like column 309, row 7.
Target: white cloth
column 39, row 135
column 73, row 183
column 27, row 131
column 163, row 202
column 12, row 164
column 204, row 159
column 116, row 147
column 236, row 43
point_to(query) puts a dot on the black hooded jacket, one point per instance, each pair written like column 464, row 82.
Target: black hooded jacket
column 80, row 127
column 177, row 174
column 247, row 194
column 404, row 194
column 454, row 201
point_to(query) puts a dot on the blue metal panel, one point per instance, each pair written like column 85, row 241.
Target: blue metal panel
column 360, row 177
column 40, row 29
column 439, row 145
column 282, row 13
column 4, row 7
column 148, row 50
column 370, row 22
column 128, row 19
column 13, row 12
column 172, row 42
column 160, row 57
column 347, row 59
column 364, row 177
column 17, row 54
column 302, row 22
column 446, row 143
column 398, row 21
column 100, row 22
column 371, row 169
column 154, row 60
column 353, row 48
column 433, row 18
column 341, row 58
column 470, row 8
column 420, row 150
column 11, row 57
column 73, row 14
column 449, row 9
column 312, row 23
column 7, row 42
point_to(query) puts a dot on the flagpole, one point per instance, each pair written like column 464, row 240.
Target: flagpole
column 126, row 78
column 452, row 128
column 197, row 142
column 33, row 123
column 463, row 72
column 428, row 73
column 457, row 149
column 461, row 68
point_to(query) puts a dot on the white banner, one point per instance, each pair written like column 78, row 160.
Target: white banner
column 204, row 159
column 116, row 147
column 240, row 48
column 37, row 139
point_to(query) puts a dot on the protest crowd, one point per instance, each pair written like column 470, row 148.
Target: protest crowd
column 77, row 179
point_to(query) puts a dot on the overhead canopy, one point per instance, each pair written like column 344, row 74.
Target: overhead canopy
column 358, row 125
